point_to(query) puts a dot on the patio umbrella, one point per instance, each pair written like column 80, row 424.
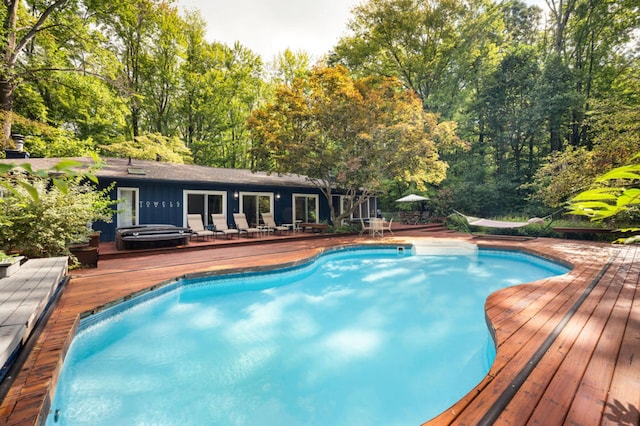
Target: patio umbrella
column 411, row 198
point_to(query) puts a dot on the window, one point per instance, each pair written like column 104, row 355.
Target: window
column 128, row 214
column 341, row 204
column 365, row 210
column 204, row 203
column 252, row 204
column 305, row 208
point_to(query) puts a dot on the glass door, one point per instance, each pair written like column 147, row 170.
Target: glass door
column 204, row 203
column 305, row 208
column 254, row 204
column 128, row 207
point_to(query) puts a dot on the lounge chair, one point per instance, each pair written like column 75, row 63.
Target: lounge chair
column 270, row 223
column 194, row 222
column 221, row 227
column 243, row 226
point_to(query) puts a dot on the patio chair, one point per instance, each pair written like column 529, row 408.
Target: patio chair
column 377, row 227
column 221, row 227
column 243, row 225
column 270, row 223
column 194, row 222
column 386, row 226
column 365, row 227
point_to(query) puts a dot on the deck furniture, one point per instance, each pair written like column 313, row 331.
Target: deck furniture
column 220, row 226
column 270, row 222
column 243, row 226
column 377, row 227
column 364, row 227
column 87, row 254
column 315, row 227
column 144, row 236
column 498, row 224
column 194, row 221
column 386, row 226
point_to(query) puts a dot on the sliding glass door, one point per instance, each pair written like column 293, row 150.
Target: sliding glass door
column 253, row 204
column 204, row 203
column 305, row 208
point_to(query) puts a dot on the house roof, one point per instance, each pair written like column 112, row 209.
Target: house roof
column 121, row 168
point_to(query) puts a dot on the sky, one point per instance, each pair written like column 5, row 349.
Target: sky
column 268, row 27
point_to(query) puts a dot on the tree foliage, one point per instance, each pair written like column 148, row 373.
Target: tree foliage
column 615, row 193
column 549, row 100
column 40, row 219
column 351, row 134
column 429, row 46
column 151, row 146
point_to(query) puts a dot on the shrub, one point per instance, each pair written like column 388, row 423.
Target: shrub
column 46, row 224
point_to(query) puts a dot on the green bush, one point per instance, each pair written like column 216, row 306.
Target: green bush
column 46, row 224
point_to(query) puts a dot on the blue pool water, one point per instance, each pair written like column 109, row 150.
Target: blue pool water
column 357, row 337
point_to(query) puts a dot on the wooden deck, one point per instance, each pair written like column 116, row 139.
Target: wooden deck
column 568, row 346
column 23, row 298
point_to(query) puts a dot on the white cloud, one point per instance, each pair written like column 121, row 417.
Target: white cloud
column 268, row 27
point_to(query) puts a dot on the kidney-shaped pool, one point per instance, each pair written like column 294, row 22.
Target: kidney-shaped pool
column 358, row 336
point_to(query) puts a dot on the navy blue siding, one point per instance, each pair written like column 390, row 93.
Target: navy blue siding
column 162, row 201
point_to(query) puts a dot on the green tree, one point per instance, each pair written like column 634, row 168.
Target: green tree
column 614, row 126
column 162, row 77
column 221, row 87
column 432, row 47
column 590, row 39
column 41, row 215
column 614, row 193
column 130, row 27
column 512, row 125
column 288, row 66
column 350, row 134
column 25, row 39
column 150, row 146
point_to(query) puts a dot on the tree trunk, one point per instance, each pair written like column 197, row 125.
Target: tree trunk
column 7, row 89
column 7, row 81
column 135, row 121
column 554, row 137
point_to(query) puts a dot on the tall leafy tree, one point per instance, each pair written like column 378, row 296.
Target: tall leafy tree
column 588, row 36
column 192, row 87
column 508, row 99
column 19, row 29
column 429, row 45
column 221, row 87
column 130, row 27
column 351, row 134
column 288, row 66
column 162, row 75
column 614, row 125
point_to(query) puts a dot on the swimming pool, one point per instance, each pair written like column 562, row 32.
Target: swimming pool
column 359, row 336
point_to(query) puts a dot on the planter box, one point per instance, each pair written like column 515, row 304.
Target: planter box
column 86, row 255
column 9, row 268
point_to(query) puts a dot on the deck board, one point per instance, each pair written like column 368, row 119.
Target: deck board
column 623, row 400
column 589, row 375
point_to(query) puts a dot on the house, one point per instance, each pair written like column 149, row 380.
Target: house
column 154, row 192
